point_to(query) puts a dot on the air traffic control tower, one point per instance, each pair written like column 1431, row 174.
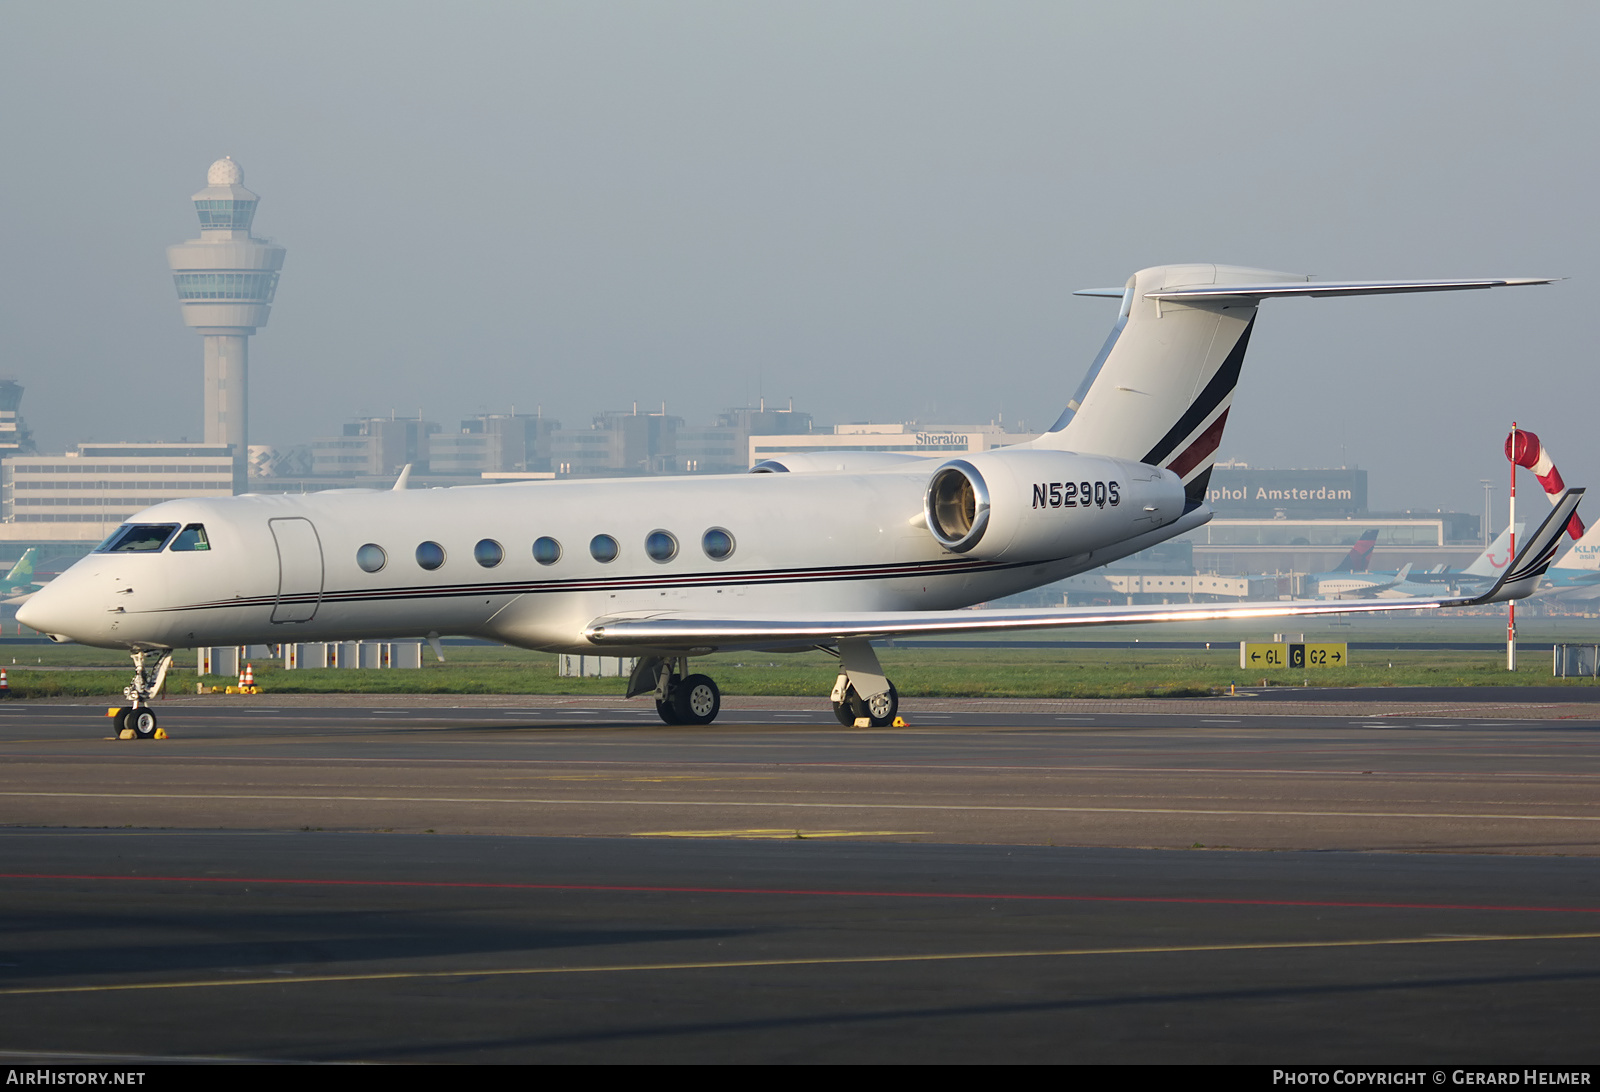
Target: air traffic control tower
column 226, row 280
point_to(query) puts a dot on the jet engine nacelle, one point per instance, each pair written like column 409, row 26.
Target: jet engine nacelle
column 1025, row 505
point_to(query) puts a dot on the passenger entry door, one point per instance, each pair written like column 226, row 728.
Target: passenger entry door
column 299, row 570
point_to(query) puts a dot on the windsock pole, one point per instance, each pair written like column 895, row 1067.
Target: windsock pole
column 1511, row 605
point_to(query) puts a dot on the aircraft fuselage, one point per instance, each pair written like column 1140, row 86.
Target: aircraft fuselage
column 463, row 561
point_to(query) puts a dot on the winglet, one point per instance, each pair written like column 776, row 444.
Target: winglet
column 1523, row 574
column 404, row 480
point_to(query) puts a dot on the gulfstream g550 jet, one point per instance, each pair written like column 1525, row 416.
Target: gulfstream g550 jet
column 790, row 558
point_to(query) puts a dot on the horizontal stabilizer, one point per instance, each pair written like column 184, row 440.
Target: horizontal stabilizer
column 1161, row 387
column 1329, row 288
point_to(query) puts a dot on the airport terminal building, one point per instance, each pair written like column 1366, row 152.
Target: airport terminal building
column 1272, row 520
column 67, row 504
column 931, row 441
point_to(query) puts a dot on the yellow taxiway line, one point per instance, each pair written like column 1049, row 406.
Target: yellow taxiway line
column 817, row 961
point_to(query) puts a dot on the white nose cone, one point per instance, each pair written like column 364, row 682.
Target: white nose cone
column 59, row 615
column 28, row 614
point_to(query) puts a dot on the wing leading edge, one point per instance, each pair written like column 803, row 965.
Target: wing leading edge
column 685, row 631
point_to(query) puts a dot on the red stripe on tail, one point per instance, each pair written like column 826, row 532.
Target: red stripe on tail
column 1203, row 447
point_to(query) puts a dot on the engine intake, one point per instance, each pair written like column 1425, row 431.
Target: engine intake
column 957, row 506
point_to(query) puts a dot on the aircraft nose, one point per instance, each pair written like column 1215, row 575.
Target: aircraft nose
column 32, row 613
column 52, row 611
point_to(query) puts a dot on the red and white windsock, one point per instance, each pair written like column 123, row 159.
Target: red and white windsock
column 1524, row 449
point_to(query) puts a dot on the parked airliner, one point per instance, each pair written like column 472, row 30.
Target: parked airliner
column 1394, row 585
column 1577, row 574
column 811, row 552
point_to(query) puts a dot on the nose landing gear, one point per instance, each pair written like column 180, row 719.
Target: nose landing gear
column 149, row 674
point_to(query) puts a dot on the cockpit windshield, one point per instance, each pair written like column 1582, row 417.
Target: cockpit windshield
column 137, row 538
column 191, row 538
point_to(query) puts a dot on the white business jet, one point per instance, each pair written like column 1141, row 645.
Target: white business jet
column 811, row 551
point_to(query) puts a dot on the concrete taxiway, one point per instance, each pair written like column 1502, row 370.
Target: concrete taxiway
column 508, row 879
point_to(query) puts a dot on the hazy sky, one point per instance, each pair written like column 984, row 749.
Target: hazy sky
column 879, row 209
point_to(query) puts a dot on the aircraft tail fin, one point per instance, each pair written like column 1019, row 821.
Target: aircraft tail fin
column 1160, row 389
column 1493, row 561
column 1359, row 559
column 1585, row 553
column 22, row 571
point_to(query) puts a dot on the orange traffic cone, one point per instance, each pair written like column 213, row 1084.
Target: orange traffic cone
column 248, row 678
column 5, row 687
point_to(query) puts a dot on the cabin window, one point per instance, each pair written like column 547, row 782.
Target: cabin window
column 661, row 546
column 372, row 557
column 192, row 539
column 547, row 551
column 718, row 544
column 137, row 538
column 488, row 553
column 603, row 548
column 430, row 555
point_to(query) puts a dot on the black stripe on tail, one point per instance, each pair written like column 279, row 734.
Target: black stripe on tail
column 1214, row 394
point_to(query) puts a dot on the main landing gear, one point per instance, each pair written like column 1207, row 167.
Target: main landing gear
column 681, row 698
column 149, row 674
column 850, row 707
column 862, row 692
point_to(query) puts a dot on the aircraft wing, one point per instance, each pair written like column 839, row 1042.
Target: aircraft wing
column 678, row 629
